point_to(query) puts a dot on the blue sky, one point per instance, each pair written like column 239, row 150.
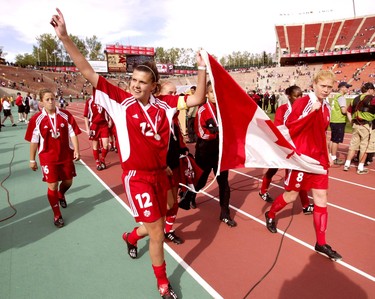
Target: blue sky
column 220, row 27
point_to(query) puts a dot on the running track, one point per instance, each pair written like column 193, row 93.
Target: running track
column 248, row 261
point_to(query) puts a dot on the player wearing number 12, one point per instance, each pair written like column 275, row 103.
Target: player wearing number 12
column 143, row 126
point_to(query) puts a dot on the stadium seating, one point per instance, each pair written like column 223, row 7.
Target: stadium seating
column 350, row 34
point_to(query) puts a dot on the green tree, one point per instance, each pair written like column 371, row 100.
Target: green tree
column 94, row 48
column 25, row 60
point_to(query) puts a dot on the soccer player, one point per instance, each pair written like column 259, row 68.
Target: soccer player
column 143, row 126
column 52, row 133
column 293, row 93
column 97, row 127
column 207, row 157
column 307, row 124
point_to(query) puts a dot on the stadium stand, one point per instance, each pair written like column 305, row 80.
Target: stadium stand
column 349, row 39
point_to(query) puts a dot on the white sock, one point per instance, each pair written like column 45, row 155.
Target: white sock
column 360, row 166
column 347, row 163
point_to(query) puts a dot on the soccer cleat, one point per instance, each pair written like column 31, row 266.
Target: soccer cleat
column 327, row 251
column 99, row 167
column 193, row 204
column 271, row 224
column 59, row 222
column 63, row 203
column 132, row 249
column 338, row 162
column 102, row 164
column 346, row 168
column 171, row 236
column 14, row 125
column 184, row 201
column 364, row 171
column 308, row 210
column 266, row 197
column 228, row 221
column 166, row 291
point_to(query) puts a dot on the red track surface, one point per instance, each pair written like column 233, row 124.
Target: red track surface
column 233, row 260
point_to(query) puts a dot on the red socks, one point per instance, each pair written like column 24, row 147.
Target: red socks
column 53, row 199
column 320, row 224
column 171, row 217
column 277, row 205
column 133, row 237
column 96, row 155
column 304, row 198
column 265, row 184
column 161, row 274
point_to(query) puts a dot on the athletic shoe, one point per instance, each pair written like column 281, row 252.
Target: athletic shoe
column 346, row 168
column 193, row 204
column 132, row 249
column 228, row 221
column 271, row 224
column 266, row 197
column 364, row 171
column 184, row 201
column 338, row 162
column 166, row 291
column 59, row 222
column 99, row 167
column 63, row 203
column 308, row 210
column 171, row 236
column 14, row 125
column 327, row 251
column 102, row 164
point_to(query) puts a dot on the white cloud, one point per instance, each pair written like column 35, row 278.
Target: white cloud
column 220, row 27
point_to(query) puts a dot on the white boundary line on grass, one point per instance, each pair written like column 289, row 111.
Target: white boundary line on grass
column 174, row 254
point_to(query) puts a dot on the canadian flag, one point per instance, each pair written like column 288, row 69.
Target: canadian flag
column 248, row 138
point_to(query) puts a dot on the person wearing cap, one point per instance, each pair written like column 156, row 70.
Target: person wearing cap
column 361, row 113
column 338, row 121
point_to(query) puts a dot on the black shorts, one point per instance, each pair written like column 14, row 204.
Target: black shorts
column 337, row 132
column 7, row 112
column 21, row 109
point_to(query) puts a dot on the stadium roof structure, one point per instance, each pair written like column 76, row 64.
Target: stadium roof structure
column 351, row 39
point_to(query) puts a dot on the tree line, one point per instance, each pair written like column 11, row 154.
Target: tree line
column 49, row 51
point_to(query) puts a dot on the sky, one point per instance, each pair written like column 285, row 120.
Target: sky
column 220, row 27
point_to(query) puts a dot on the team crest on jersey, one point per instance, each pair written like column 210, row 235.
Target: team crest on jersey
column 298, row 185
column 147, row 213
column 62, row 125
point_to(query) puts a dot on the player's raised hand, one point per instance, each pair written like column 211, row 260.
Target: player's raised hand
column 58, row 23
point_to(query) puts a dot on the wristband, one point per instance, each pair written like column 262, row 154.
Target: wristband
column 201, row 68
column 32, row 161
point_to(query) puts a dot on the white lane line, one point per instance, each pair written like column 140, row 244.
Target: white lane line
column 346, row 265
column 174, row 254
column 330, row 204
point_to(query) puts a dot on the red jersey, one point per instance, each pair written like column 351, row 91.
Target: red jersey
column 308, row 130
column 206, row 122
column 42, row 129
column 143, row 132
column 282, row 114
column 19, row 101
column 94, row 112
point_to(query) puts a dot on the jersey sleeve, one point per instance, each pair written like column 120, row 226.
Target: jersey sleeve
column 32, row 133
column 73, row 127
